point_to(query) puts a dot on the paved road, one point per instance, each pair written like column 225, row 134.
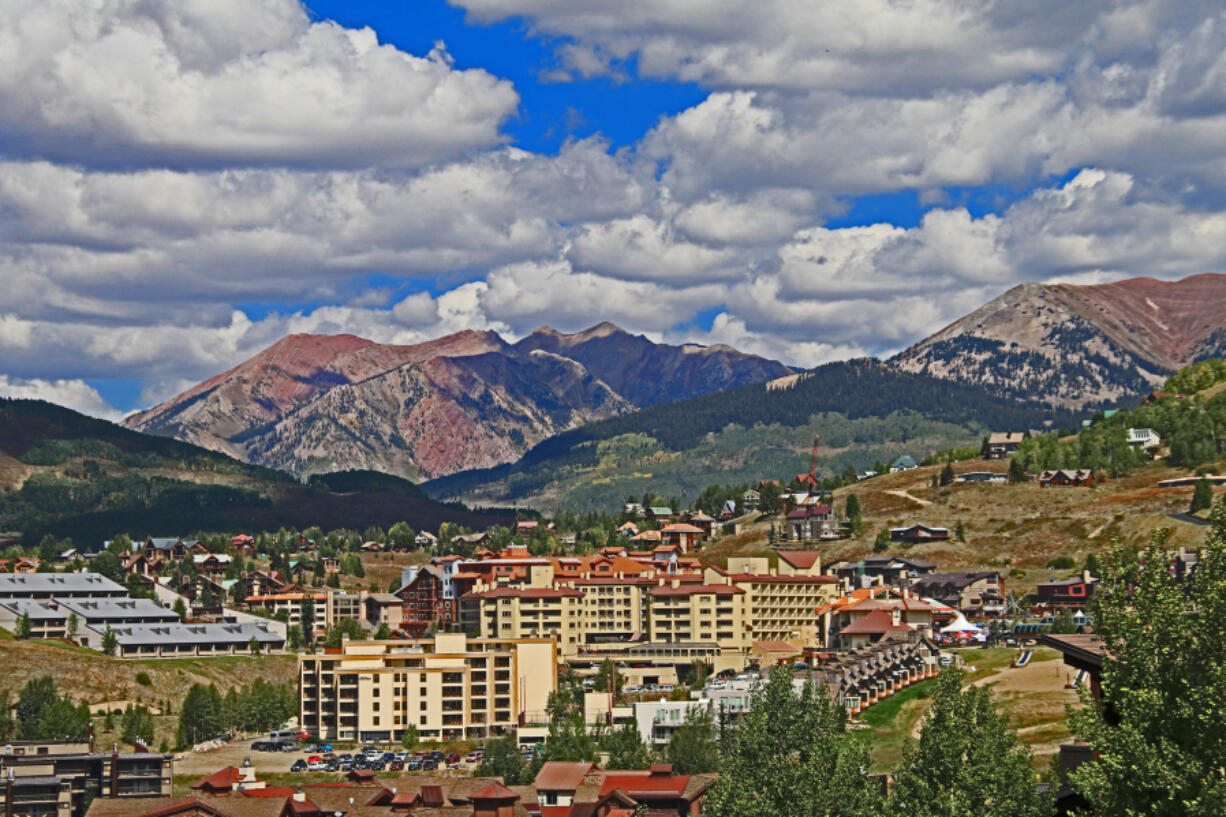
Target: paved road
column 1195, row 520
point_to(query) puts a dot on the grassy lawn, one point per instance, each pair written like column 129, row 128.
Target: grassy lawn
column 891, row 723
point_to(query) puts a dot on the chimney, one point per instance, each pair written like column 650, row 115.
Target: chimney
column 895, row 616
column 298, row 796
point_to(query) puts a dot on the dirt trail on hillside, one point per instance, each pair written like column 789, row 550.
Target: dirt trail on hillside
column 905, row 495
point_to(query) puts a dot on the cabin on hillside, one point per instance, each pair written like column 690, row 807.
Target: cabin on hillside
column 919, row 533
column 1066, row 478
column 1002, row 444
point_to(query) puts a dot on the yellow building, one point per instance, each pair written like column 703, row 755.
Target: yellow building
column 700, row 614
column 526, row 612
column 448, row 686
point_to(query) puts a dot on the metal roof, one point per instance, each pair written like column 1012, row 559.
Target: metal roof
column 107, row 609
column 59, row 584
column 136, row 635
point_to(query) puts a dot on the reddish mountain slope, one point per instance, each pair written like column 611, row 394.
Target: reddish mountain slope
column 1080, row 345
column 312, row 403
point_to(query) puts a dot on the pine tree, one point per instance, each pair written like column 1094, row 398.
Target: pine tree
column 1202, row 496
column 110, row 642
column 23, row 626
column 1017, row 472
column 967, row 761
column 692, row 748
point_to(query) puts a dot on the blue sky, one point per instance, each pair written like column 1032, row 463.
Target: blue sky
column 184, row 184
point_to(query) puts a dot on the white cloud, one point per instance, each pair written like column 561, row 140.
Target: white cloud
column 75, row 394
column 204, row 82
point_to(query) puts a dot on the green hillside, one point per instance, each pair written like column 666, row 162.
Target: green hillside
column 75, row 476
column 865, row 411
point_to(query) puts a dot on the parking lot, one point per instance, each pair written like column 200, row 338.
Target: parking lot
column 423, row 760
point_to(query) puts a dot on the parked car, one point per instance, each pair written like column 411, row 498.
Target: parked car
column 314, row 758
column 453, row 759
column 316, row 765
column 332, row 766
column 475, row 757
column 396, row 766
column 289, row 747
column 359, row 763
column 414, row 764
column 429, row 765
column 388, row 757
column 300, row 765
column 260, row 746
column 377, row 765
column 346, row 764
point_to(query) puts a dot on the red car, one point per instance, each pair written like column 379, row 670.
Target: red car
column 452, row 759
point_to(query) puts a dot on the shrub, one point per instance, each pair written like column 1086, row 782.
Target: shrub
column 143, row 679
column 1061, row 563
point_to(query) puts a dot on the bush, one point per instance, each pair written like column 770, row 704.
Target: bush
column 143, row 679
column 1061, row 563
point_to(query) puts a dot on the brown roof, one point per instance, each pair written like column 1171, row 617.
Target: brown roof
column 800, row 558
column 494, row 791
column 775, row 646
column 223, row 780
column 557, row 775
column 878, row 621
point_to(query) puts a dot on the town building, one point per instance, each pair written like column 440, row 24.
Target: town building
column 1146, row 439
column 176, row 640
column 1066, row 478
column 57, row 778
column 976, row 593
column 814, row 522
column 895, row 571
column 918, row 532
column 1002, row 444
column 45, row 586
column 450, row 686
column 1063, row 594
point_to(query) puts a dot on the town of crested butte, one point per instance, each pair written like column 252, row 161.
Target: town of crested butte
column 511, row 408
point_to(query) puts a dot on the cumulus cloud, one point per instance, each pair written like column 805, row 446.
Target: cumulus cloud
column 164, row 163
column 205, row 82
column 75, row 394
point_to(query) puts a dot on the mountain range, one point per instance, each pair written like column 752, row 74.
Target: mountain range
column 314, row 404
column 472, row 401
column 1079, row 346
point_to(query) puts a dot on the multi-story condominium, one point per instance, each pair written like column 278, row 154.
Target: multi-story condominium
column 701, row 614
column 58, row 778
column 528, row 612
column 448, row 686
column 330, row 606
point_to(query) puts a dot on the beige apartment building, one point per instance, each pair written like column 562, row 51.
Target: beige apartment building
column 448, row 686
column 780, row 605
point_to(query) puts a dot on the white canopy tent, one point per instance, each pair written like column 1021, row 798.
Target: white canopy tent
column 961, row 625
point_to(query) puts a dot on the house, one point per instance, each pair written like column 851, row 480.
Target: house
column 660, row 513
column 243, row 544
column 701, row 520
column 812, row 522
column 1067, row 478
column 904, row 463
column 628, row 529
column 750, row 500
column 1069, row 594
column 213, row 564
column 1002, row 443
column 425, row 539
column 872, row 627
column 989, row 477
column 919, row 533
column 894, row 571
column 1146, row 439
column 332, row 565
column 685, row 536
column 976, row 593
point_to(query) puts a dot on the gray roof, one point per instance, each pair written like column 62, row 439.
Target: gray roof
column 136, row 635
column 58, row 584
column 114, row 609
column 36, row 610
column 164, row 543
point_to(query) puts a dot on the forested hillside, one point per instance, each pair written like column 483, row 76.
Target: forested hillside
column 69, row 475
column 862, row 408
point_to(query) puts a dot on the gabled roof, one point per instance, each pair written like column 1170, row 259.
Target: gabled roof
column 803, row 559
column 877, row 621
column 222, row 780
column 494, row 791
column 558, row 775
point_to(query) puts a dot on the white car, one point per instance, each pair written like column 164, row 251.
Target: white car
column 317, row 766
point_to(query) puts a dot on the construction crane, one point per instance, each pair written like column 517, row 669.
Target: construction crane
column 811, row 477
